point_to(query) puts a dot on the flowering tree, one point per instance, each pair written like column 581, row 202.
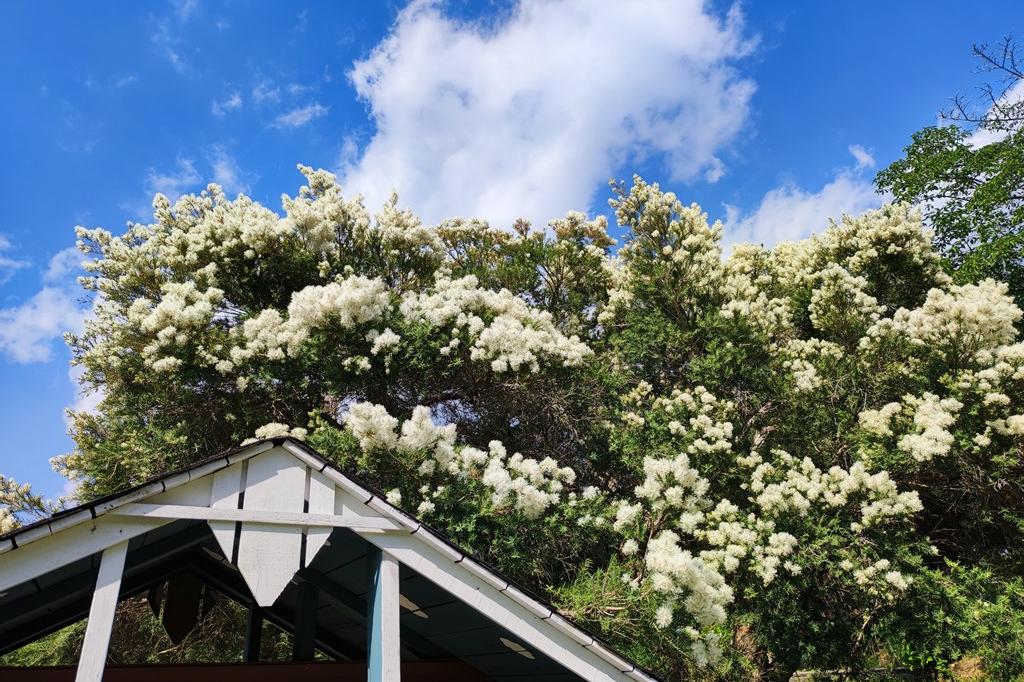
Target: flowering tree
column 784, row 458
column 966, row 175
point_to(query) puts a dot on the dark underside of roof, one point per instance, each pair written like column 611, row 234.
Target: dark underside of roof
column 434, row 625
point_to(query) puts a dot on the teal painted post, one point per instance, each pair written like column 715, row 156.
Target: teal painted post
column 383, row 653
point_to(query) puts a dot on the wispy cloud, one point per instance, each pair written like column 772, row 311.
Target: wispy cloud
column 863, row 157
column 30, row 330
column 296, row 118
column 168, row 45
column 125, row 81
column 230, row 103
column 789, row 212
column 531, row 116
column 174, row 183
column 185, row 9
column 9, row 265
column 266, row 91
column 186, row 177
column 227, row 174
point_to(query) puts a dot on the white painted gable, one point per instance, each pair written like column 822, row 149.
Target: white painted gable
column 271, row 508
column 269, row 488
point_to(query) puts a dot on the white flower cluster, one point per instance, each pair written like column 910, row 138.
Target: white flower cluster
column 706, row 425
column 525, row 484
column 677, row 574
column 840, row 306
column 18, row 498
column 669, row 483
column 383, row 341
column 497, row 326
column 319, row 212
column 795, row 486
column 961, row 321
column 531, row 486
column 276, row 430
column 804, row 357
column 182, row 309
column 372, row 425
column 348, row 303
column 879, row 580
column 8, row 521
column 749, row 279
column 861, row 243
column 998, row 382
column 879, row 422
column 932, row 417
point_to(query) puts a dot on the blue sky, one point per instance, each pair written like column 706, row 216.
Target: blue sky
column 773, row 116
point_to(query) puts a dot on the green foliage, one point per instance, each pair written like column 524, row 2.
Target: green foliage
column 138, row 637
column 971, row 196
column 958, row 612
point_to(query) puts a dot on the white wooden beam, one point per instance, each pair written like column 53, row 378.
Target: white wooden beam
column 383, row 647
column 493, row 603
column 303, row 520
column 71, row 544
column 321, row 501
column 225, row 492
column 93, row 658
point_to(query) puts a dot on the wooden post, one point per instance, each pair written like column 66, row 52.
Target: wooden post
column 383, row 647
column 101, row 614
column 304, row 642
column 253, row 634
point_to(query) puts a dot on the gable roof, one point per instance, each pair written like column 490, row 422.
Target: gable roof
column 422, row 548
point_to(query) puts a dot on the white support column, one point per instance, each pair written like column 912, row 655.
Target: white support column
column 383, row 646
column 101, row 614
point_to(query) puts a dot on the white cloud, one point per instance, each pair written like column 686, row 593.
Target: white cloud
column 229, row 103
column 125, row 81
column 982, row 136
column 296, row 118
column 168, row 44
column 175, row 183
column 531, row 117
column 186, row 8
column 863, row 157
column 27, row 331
column 64, row 262
column 185, row 177
column 265, row 91
column 8, row 265
column 789, row 212
column 227, row 174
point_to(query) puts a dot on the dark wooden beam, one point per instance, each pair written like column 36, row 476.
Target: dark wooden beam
column 230, row 583
column 61, row 604
column 354, row 608
column 305, row 621
column 253, row 634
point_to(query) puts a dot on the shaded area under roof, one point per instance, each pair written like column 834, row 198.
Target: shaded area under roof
column 434, row 625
